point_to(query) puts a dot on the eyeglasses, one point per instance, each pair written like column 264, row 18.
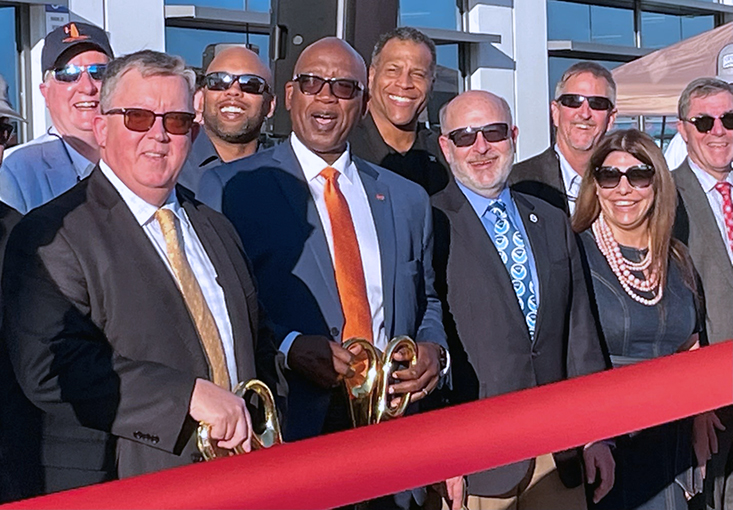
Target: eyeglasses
column 140, row 120
column 6, row 131
column 341, row 88
column 598, row 103
column 465, row 137
column 639, row 176
column 71, row 72
column 704, row 123
column 249, row 83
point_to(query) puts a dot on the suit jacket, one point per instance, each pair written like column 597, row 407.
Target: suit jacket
column 100, row 337
column 268, row 200
column 707, row 248
column 491, row 350
column 541, row 177
column 34, row 173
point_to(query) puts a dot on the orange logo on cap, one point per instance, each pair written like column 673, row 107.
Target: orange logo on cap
column 73, row 33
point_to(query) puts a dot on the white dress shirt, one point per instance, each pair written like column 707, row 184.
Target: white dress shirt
column 715, row 199
column 352, row 188
column 199, row 261
column 570, row 178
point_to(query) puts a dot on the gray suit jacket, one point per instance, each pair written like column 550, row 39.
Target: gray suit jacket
column 540, row 176
column 267, row 199
column 36, row 172
column 707, row 248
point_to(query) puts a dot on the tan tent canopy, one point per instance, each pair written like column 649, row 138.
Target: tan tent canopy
column 652, row 84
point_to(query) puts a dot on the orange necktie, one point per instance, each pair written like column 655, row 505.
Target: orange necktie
column 347, row 261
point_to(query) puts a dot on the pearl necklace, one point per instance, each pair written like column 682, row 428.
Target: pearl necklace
column 622, row 267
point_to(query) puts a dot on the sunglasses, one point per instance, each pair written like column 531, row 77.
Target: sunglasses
column 465, row 137
column 71, row 72
column 342, row 88
column 639, row 176
column 249, row 83
column 6, row 131
column 598, row 103
column 140, row 120
column 704, row 123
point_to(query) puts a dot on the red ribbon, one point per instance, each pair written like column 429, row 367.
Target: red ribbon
column 357, row 465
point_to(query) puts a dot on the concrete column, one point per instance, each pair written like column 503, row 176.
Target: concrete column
column 516, row 68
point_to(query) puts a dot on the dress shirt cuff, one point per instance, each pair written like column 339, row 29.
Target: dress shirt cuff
column 285, row 345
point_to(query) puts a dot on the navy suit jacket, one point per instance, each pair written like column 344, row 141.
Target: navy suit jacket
column 268, row 200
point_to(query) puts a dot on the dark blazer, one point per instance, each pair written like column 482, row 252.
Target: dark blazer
column 100, row 337
column 491, row 350
column 268, row 200
column 541, row 177
column 708, row 252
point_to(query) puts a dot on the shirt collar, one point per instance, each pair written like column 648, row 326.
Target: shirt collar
column 141, row 210
column 707, row 181
column 81, row 164
column 312, row 164
column 480, row 203
column 570, row 178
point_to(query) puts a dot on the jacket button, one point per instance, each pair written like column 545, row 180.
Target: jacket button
column 197, row 457
column 535, row 354
column 335, row 332
column 137, row 434
column 155, row 439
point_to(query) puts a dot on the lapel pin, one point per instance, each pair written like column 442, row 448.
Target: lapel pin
column 380, row 196
column 533, row 218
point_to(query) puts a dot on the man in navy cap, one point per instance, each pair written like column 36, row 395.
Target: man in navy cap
column 74, row 59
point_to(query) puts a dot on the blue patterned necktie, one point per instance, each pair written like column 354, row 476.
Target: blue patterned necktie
column 510, row 245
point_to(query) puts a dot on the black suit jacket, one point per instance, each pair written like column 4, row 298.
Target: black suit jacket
column 491, row 350
column 541, row 177
column 100, row 337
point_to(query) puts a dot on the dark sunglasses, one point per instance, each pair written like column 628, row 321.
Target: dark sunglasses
column 704, row 123
column 598, row 103
column 249, row 83
column 639, row 176
column 6, row 131
column 140, row 120
column 465, row 137
column 71, row 72
column 341, row 88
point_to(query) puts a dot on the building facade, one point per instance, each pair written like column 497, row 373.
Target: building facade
column 516, row 48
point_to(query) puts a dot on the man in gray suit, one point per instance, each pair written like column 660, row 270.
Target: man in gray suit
column 74, row 59
column 705, row 223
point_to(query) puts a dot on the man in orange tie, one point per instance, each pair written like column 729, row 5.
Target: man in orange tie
column 340, row 247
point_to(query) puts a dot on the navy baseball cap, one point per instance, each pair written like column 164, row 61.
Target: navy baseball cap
column 75, row 36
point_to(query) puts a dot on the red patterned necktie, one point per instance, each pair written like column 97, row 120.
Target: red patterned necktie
column 723, row 187
column 347, row 261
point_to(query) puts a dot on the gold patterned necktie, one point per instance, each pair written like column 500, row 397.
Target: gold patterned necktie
column 194, row 298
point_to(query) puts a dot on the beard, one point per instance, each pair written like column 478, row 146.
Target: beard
column 245, row 132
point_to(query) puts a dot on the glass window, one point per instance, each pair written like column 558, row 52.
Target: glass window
column 660, row 30
column 429, row 13
column 9, row 57
column 247, row 5
column 654, row 126
column 447, row 55
column 590, row 23
column 190, row 43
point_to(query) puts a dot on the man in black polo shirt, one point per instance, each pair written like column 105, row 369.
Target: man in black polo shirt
column 400, row 79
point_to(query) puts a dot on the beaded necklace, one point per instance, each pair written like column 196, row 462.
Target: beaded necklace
column 623, row 267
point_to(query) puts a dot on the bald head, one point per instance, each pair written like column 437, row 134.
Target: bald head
column 333, row 48
column 454, row 111
column 321, row 119
column 240, row 60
